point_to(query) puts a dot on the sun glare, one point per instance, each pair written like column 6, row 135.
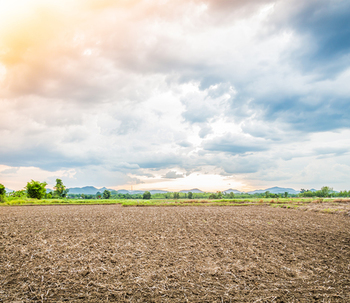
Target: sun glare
column 13, row 10
column 9, row 9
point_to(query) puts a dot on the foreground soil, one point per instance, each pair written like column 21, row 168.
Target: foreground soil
column 168, row 254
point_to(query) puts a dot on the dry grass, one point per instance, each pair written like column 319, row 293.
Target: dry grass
column 341, row 200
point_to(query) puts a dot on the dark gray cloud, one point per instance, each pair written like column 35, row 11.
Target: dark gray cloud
column 324, row 26
column 160, row 160
column 305, row 113
column 234, row 145
column 205, row 130
column 125, row 165
column 241, row 165
column 172, row 175
column 184, row 144
column 10, row 170
column 44, row 157
column 331, row 151
column 198, row 113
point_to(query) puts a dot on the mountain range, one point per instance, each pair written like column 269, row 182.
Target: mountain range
column 275, row 190
column 91, row 190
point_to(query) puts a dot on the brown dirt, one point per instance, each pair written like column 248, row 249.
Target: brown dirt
column 193, row 254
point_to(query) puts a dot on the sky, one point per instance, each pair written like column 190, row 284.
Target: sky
column 175, row 95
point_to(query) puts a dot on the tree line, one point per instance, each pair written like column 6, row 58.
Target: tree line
column 37, row 190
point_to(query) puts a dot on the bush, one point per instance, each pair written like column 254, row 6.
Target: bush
column 36, row 189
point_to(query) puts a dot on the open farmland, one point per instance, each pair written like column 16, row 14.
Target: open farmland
column 92, row 253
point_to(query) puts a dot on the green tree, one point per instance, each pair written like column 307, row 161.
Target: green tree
column 35, row 189
column 219, row 195
column 146, row 195
column 286, row 194
column 106, row 194
column 326, row 191
column 267, row 194
column 2, row 193
column 231, row 195
column 60, row 190
column 176, row 195
column 48, row 195
column 190, row 195
column 19, row 193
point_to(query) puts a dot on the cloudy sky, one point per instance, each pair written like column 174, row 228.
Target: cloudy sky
column 161, row 94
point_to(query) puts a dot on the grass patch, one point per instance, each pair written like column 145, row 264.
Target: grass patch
column 58, row 202
column 329, row 210
column 280, row 202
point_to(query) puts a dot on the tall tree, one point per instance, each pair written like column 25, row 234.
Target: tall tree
column 60, row 190
column 326, row 191
column 106, row 194
column 146, row 195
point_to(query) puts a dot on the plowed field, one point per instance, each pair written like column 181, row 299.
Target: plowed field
column 168, row 254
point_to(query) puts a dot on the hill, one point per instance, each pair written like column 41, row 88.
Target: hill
column 275, row 190
column 235, row 191
column 194, row 190
column 87, row 190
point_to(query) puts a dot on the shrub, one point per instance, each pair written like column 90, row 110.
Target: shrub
column 36, row 189
column 146, row 195
column 2, row 193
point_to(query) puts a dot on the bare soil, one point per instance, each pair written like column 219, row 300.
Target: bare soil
column 168, row 254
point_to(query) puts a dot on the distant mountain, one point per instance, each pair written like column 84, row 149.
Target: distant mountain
column 9, row 190
column 91, row 190
column 194, row 190
column 235, row 191
column 134, row 192
column 123, row 191
column 87, row 190
column 275, row 190
column 155, row 191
